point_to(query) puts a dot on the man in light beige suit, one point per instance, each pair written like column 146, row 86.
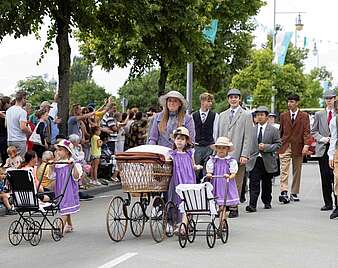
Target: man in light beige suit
column 236, row 124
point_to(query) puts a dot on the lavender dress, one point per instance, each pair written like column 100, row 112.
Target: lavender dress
column 221, row 167
column 70, row 202
column 183, row 173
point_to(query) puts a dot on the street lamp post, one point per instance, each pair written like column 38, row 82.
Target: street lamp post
column 316, row 54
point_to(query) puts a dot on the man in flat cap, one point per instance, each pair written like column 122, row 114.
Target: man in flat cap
column 321, row 132
column 236, row 124
column 295, row 134
column 263, row 162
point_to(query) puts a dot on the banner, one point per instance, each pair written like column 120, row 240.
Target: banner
column 210, row 31
column 281, row 47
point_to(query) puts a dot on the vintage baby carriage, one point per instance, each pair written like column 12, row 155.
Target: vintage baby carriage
column 34, row 215
column 145, row 176
column 198, row 202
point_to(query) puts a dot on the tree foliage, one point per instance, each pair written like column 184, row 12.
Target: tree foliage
column 80, row 70
column 38, row 89
column 23, row 17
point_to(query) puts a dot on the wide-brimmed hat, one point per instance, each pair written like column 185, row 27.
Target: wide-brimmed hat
column 223, row 141
column 181, row 131
column 65, row 144
column 173, row 94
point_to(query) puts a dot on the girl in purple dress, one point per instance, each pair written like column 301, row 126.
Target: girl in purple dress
column 70, row 202
column 183, row 164
column 223, row 167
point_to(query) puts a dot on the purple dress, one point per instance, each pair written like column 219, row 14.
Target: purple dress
column 70, row 202
column 221, row 167
column 183, row 173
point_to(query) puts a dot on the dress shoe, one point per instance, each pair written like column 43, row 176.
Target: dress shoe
column 283, row 198
column 334, row 214
column 326, row 208
column 267, row 206
column 294, row 198
column 250, row 209
column 233, row 214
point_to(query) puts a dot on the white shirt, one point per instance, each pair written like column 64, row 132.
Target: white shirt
column 215, row 127
column 333, row 140
column 234, row 109
column 263, row 129
column 14, row 116
column 233, row 165
column 295, row 113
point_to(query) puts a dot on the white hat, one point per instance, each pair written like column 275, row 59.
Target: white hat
column 66, row 144
column 223, row 141
column 173, row 94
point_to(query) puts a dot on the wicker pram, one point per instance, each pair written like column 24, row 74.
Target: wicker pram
column 144, row 172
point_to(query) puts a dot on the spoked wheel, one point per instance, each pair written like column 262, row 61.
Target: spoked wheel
column 170, row 218
column 37, row 233
column 211, row 235
column 182, row 235
column 191, row 230
column 224, row 231
column 15, row 233
column 116, row 219
column 27, row 228
column 137, row 219
column 57, row 229
column 157, row 226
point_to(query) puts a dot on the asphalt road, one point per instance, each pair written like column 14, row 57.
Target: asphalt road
column 293, row 235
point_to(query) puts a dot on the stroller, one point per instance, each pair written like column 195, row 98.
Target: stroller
column 27, row 204
column 198, row 201
column 107, row 162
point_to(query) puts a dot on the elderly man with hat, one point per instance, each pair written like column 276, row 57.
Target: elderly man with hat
column 321, row 132
column 173, row 116
column 263, row 162
column 236, row 124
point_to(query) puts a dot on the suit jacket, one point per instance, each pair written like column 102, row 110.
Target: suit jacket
column 320, row 129
column 296, row 134
column 272, row 142
column 239, row 131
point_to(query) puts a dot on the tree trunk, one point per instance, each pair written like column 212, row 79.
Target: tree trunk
column 62, row 39
column 163, row 78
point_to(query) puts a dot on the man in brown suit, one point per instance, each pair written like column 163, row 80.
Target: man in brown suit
column 295, row 134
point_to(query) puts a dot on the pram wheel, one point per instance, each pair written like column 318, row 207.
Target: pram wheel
column 116, row 219
column 27, row 228
column 170, row 218
column 15, row 233
column 211, row 235
column 191, row 230
column 224, row 231
column 37, row 233
column 182, row 235
column 157, row 226
column 137, row 219
column 57, row 229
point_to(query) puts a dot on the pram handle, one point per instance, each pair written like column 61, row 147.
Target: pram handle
column 214, row 177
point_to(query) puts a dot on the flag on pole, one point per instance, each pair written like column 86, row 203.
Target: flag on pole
column 210, row 31
column 282, row 43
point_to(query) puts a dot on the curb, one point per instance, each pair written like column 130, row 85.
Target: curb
column 2, row 211
column 102, row 189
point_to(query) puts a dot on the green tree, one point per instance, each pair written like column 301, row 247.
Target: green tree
column 38, row 89
column 23, row 17
column 80, row 70
column 147, row 33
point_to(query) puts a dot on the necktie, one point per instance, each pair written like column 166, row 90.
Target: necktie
column 293, row 118
column 329, row 117
column 203, row 117
column 232, row 112
column 260, row 135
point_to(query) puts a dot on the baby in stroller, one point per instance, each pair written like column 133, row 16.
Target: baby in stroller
column 108, row 166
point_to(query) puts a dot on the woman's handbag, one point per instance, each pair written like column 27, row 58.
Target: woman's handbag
column 35, row 137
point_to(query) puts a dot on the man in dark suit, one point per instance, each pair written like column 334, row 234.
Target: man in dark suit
column 295, row 134
column 262, row 162
column 206, row 128
column 321, row 132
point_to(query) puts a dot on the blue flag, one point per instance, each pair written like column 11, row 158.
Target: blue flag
column 281, row 48
column 210, row 31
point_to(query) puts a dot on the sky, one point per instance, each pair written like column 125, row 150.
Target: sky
column 18, row 57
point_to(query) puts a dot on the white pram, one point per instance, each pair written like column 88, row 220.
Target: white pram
column 198, row 200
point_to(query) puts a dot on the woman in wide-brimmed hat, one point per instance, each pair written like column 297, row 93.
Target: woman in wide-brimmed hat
column 173, row 116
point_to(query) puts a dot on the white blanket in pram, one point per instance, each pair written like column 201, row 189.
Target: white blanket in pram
column 197, row 194
column 152, row 149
